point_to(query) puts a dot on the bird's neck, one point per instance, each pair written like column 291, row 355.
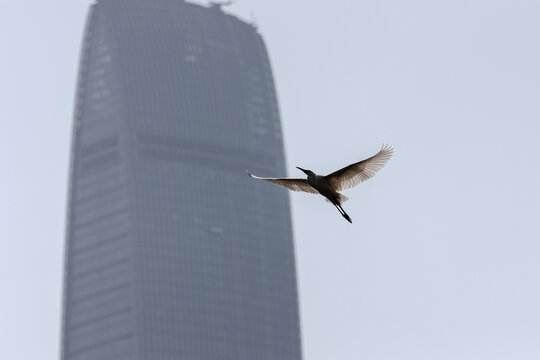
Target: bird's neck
column 312, row 178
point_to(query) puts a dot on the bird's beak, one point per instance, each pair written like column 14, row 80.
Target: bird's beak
column 299, row 168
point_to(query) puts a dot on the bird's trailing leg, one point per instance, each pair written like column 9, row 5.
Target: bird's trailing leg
column 343, row 213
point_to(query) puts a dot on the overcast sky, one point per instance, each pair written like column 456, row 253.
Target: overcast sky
column 442, row 260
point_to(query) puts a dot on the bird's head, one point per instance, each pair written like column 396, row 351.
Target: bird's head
column 307, row 172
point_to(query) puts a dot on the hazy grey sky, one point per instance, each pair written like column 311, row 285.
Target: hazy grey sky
column 442, row 260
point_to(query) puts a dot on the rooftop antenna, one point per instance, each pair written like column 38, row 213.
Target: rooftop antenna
column 217, row 4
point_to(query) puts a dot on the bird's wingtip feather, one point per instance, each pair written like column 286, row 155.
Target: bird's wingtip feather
column 251, row 175
column 387, row 147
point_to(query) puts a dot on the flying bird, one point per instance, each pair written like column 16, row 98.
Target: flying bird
column 330, row 185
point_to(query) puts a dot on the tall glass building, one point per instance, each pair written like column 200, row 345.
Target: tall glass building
column 172, row 251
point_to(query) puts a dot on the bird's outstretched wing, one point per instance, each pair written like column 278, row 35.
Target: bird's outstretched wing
column 291, row 184
column 356, row 173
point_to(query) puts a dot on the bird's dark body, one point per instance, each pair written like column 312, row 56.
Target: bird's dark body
column 322, row 185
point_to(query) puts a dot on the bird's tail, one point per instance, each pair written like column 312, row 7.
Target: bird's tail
column 340, row 197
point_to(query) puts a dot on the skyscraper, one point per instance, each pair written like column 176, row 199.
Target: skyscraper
column 172, row 252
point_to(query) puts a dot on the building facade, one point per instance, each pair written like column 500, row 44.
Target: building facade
column 172, row 251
